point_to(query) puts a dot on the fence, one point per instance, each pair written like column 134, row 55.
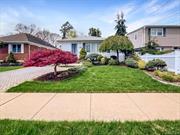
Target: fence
column 172, row 60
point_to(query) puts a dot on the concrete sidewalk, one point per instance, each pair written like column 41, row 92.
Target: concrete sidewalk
column 99, row 107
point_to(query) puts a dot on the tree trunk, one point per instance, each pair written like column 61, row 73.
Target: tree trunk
column 55, row 69
column 118, row 55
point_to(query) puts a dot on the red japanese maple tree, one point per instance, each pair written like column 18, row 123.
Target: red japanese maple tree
column 50, row 57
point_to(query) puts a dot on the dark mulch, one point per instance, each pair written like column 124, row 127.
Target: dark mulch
column 61, row 75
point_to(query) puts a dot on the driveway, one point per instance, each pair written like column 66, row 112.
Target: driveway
column 81, row 106
column 12, row 78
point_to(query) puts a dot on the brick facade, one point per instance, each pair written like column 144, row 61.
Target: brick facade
column 28, row 49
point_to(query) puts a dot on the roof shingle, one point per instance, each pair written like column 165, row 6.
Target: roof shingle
column 24, row 37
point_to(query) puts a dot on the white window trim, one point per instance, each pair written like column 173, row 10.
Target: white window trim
column 156, row 31
column 10, row 48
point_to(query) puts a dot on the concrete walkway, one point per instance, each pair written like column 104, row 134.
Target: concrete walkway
column 100, row 107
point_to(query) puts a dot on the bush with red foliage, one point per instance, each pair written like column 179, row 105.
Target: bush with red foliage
column 48, row 57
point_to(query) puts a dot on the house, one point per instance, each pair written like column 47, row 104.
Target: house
column 166, row 36
column 21, row 45
column 90, row 43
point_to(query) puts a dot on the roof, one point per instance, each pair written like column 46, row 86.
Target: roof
column 25, row 38
column 156, row 26
column 84, row 38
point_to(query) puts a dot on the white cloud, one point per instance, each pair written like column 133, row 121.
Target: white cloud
column 136, row 14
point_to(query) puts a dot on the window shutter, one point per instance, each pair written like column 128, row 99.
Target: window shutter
column 149, row 34
column 9, row 48
column 22, row 48
column 164, row 32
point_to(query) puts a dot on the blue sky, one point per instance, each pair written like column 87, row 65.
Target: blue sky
column 83, row 14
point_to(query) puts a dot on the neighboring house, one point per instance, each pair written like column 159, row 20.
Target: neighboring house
column 166, row 36
column 74, row 45
column 21, row 45
column 90, row 43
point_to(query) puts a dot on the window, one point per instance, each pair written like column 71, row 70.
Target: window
column 156, row 31
column 16, row 48
column 84, row 44
column 74, row 48
column 135, row 36
column 87, row 47
column 93, row 47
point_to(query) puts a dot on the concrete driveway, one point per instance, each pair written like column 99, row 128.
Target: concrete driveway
column 81, row 106
column 12, row 78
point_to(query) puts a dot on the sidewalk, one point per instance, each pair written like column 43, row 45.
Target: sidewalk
column 100, row 107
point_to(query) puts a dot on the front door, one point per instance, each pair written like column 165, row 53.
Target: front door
column 74, row 48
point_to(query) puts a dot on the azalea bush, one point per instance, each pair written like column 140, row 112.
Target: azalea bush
column 42, row 58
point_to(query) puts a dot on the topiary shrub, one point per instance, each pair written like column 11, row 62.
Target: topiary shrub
column 104, row 61
column 130, row 62
column 113, row 62
column 141, row 64
column 155, row 64
column 83, row 54
column 10, row 58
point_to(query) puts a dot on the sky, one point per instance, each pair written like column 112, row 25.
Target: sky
column 83, row 14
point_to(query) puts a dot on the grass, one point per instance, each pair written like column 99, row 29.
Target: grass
column 16, row 127
column 101, row 79
column 7, row 68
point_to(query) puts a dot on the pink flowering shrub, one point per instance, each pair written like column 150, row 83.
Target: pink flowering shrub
column 50, row 57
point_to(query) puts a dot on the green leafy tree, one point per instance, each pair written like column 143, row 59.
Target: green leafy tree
column 94, row 32
column 83, row 54
column 120, row 26
column 71, row 34
column 65, row 28
column 150, row 47
column 118, row 44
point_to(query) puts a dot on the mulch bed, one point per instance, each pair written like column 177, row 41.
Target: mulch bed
column 150, row 73
column 61, row 75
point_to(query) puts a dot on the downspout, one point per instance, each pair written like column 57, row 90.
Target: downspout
column 29, row 51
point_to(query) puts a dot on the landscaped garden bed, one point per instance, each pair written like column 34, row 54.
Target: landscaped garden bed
column 100, row 79
column 17, row 127
column 61, row 75
column 166, row 77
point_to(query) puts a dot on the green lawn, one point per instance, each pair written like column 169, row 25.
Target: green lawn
column 15, row 127
column 101, row 79
column 7, row 68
